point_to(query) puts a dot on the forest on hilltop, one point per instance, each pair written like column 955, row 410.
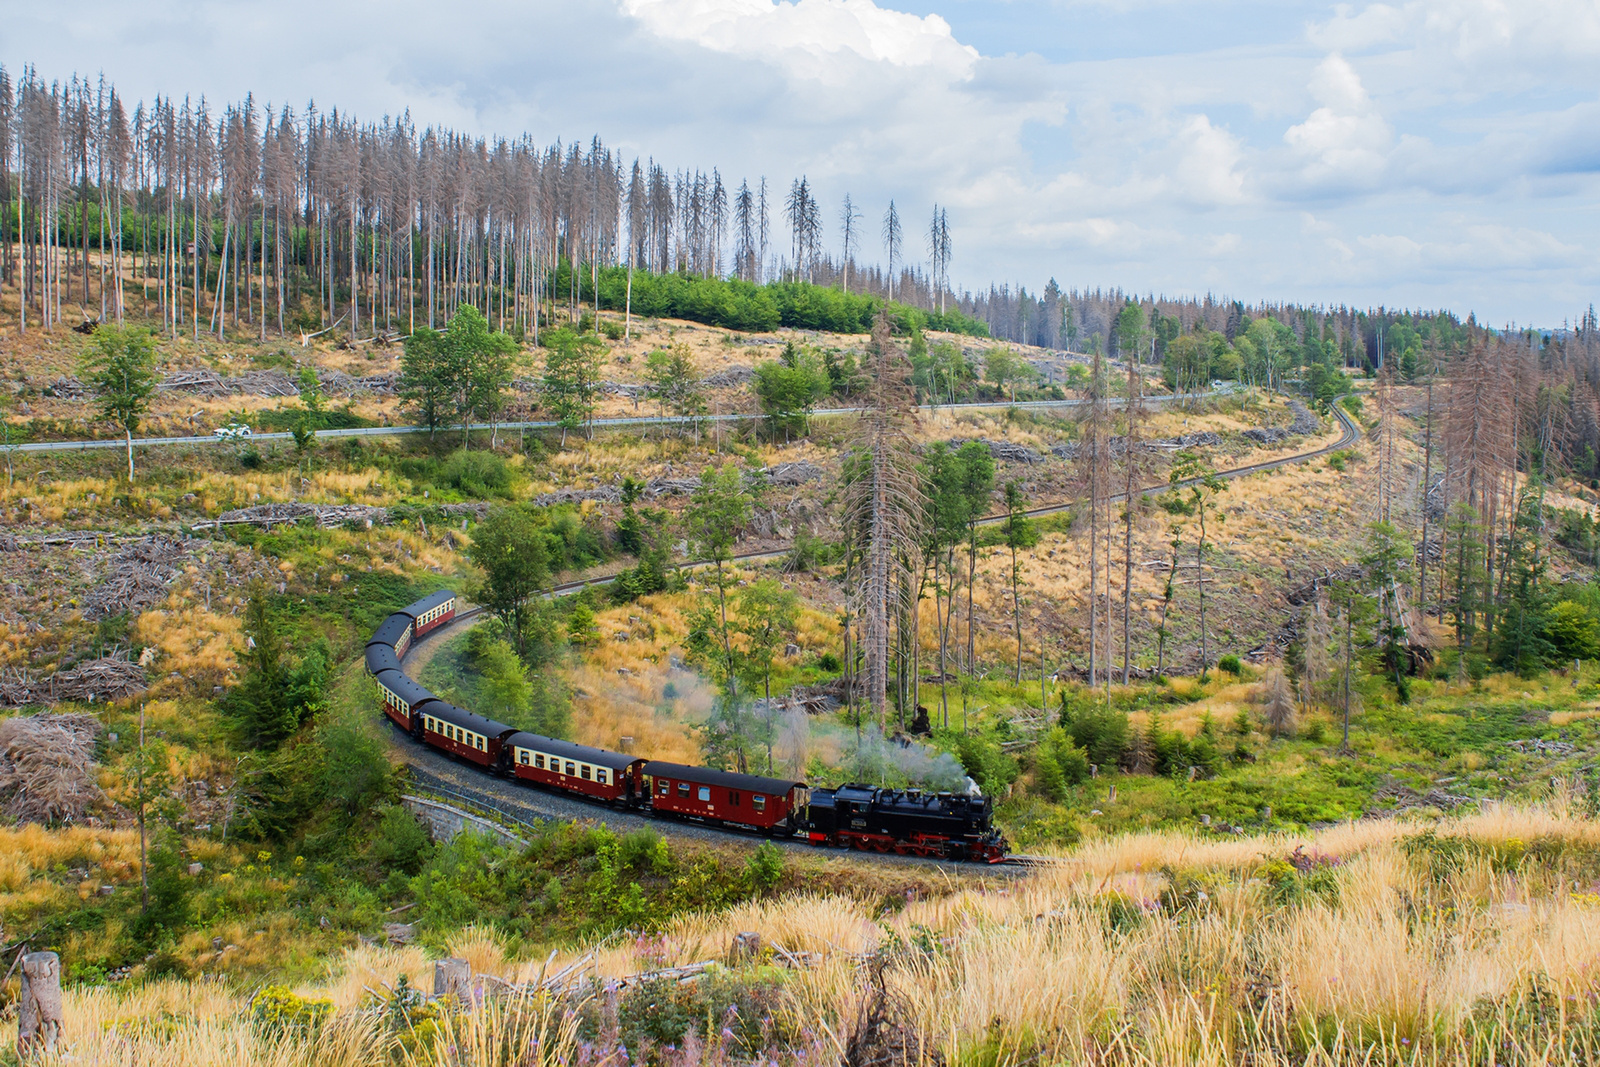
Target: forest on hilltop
column 281, row 221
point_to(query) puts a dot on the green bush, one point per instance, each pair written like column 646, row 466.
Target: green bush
column 399, row 843
column 764, row 867
column 1230, row 663
column 476, row 474
column 1102, row 732
column 1572, row 631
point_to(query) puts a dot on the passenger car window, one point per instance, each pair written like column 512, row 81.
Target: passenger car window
column 705, row 792
column 758, row 802
column 683, row 789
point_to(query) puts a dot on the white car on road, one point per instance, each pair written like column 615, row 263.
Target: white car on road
column 232, row 432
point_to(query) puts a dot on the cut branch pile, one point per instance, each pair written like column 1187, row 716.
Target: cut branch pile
column 884, row 1033
column 138, row 577
column 608, row 494
column 1118, row 445
column 67, row 388
column 326, row 515
column 47, row 768
column 203, row 381
column 793, row 474
column 1394, row 796
column 729, row 376
column 1004, row 450
column 671, row 487
column 339, row 383
column 108, row 678
column 1303, row 424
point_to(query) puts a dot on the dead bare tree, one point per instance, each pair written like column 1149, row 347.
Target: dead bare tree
column 884, row 500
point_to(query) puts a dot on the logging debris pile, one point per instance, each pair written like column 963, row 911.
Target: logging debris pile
column 338, row 383
column 1003, row 450
column 329, row 516
column 1302, row 423
column 137, row 578
column 1118, row 445
column 66, row 387
column 326, row 515
column 203, row 381
column 1393, row 797
column 108, row 678
column 729, row 376
column 47, row 768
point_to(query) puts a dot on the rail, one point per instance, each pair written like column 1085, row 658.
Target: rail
column 547, row 424
column 474, row 804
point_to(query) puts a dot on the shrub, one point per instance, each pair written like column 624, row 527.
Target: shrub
column 764, row 867
column 985, row 763
column 476, row 474
column 277, row 1010
column 399, row 843
column 1231, row 664
column 1572, row 631
column 1059, row 763
column 1103, row 733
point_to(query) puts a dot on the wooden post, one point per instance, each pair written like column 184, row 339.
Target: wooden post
column 453, row 977
column 39, row 1015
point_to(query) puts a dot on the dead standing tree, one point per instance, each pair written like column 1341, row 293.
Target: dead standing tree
column 1096, row 457
column 883, row 501
column 1480, row 443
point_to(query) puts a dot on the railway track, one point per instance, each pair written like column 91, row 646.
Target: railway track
column 523, row 806
column 438, row 773
column 620, row 423
column 1349, row 435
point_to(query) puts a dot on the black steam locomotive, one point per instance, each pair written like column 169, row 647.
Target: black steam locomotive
column 940, row 825
column 944, row 825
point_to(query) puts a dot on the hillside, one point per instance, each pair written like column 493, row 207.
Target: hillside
column 1229, row 882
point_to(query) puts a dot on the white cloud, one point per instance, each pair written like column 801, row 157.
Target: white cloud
column 808, row 36
column 1344, row 143
column 1444, row 146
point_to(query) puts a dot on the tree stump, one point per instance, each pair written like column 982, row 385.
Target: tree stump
column 39, row 1016
column 745, row 948
column 453, row 978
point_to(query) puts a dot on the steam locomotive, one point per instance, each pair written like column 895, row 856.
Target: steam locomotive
column 865, row 817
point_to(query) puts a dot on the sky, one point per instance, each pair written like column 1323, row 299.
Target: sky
column 1418, row 154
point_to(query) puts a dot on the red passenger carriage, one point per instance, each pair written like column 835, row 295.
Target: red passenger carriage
column 766, row 804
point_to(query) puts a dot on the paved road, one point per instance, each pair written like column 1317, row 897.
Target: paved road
column 603, row 424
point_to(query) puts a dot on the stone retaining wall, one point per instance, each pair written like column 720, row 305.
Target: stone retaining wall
column 445, row 821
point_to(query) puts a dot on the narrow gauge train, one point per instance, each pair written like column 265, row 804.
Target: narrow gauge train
column 854, row 816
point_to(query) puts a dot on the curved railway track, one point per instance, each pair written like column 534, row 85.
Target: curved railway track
column 1350, row 433
column 433, row 771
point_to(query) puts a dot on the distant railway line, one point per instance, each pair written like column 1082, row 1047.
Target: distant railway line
column 620, row 423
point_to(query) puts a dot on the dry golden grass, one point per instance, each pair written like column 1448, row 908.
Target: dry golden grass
column 1401, row 965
